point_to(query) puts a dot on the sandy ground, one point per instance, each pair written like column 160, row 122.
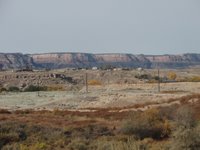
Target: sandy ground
column 115, row 95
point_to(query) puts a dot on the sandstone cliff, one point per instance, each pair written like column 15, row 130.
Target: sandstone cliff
column 174, row 61
column 60, row 60
column 77, row 60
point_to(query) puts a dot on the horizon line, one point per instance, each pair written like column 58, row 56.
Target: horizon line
column 109, row 53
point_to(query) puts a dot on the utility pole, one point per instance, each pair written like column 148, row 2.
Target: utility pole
column 38, row 86
column 86, row 82
column 158, row 80
column 109, row 76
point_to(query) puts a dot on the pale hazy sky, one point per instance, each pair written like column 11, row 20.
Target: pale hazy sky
column 100, row 26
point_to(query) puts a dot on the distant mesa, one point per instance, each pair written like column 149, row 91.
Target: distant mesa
column 87, row 60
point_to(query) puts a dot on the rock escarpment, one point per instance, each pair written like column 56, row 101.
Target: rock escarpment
column 86, row 60
column 61, row 60
column 174, row 61
column 14, row 61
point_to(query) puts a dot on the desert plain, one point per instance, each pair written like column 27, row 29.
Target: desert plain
column 67, row 89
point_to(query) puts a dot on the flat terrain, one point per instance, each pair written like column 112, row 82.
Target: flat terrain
column 121, row 110
column 108, row 89
column 98, row 96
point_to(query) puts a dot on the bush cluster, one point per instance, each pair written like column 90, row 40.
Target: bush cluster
column 3, row 89
column 94, row 82
column 33, row 88
column 154, row 129
column 13, row 89
column 187, row 131
column 194, row 79
column 149, row 124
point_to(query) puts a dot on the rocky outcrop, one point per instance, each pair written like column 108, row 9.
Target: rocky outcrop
column 123, row 60
column 79, row 60
column 14, row 61
column 174, row 61
column 61, row 60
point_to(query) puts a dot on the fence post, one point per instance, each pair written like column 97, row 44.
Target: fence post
column 86, row 82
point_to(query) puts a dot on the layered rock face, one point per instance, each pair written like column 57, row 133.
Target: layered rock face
column 61, row 60
column 174, row 61
column 78, row 60
column 14, row 61
column 122, row 60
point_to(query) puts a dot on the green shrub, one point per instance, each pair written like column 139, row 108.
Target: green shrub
column 3, row 89
column 13, row 89
column 143, row 76
column 33, row 88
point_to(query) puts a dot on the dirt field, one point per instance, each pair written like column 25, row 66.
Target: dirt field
column 108, row 88
column 115, row 95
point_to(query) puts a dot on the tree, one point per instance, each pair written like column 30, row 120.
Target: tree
column 172, row 76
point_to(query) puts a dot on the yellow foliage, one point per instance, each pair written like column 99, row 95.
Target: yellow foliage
column 94, row 82
column 166, row 128
column 55, row 88
column 153, row 116
column 195, row 79
column 172, row 75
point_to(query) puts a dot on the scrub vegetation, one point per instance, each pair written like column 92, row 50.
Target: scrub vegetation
column 174, row 127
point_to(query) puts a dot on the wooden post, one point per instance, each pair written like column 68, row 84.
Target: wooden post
column 38, row 85
column 86, row 82
column 109, row 76
column 158, row 80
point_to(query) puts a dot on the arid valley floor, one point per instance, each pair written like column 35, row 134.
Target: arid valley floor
column 120, row 109
column 106, row 89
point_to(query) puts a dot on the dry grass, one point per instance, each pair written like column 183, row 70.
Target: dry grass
column 93, row 116
column 94, row 82
column 173, row 92
column 56, row 87
column 64, row 127
column 4, row 111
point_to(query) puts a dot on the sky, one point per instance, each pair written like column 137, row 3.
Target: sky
column 100, row 26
